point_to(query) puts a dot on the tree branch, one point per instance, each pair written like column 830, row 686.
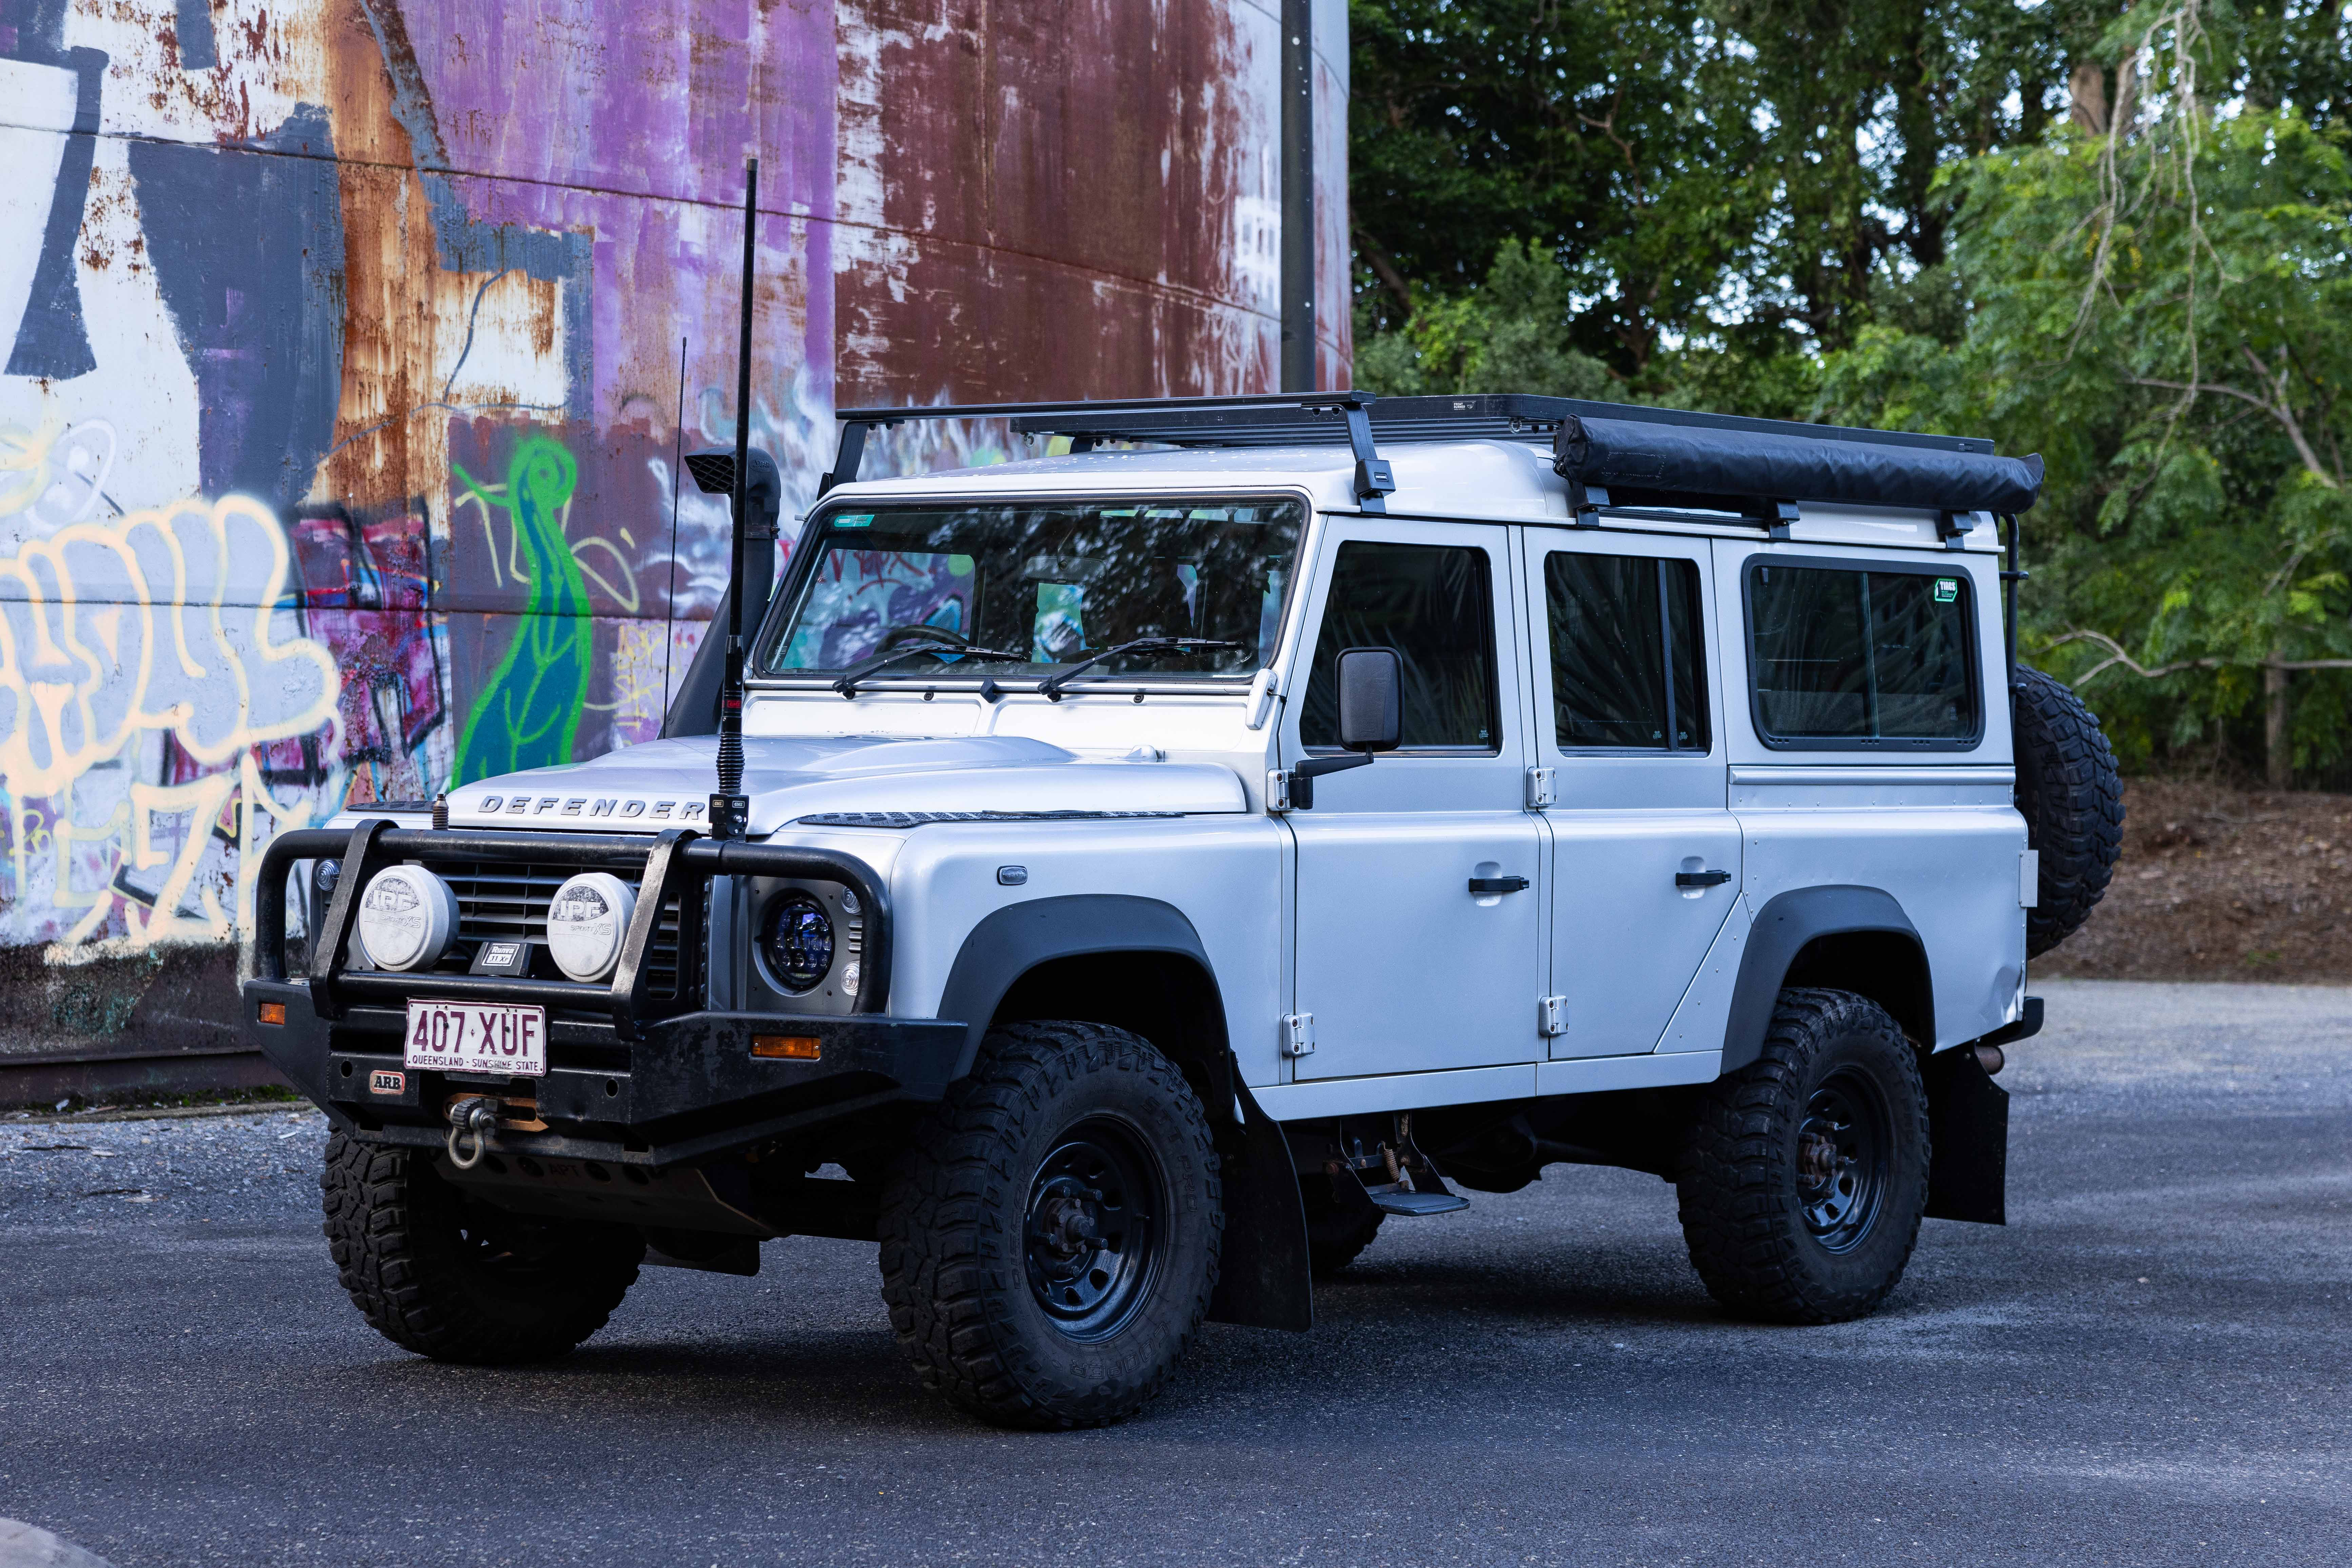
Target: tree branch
column 1385, row 270
column 2116, row 655
column 2284, row 413
column 2285, row 417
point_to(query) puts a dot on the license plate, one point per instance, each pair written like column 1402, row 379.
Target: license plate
column 478, row 1037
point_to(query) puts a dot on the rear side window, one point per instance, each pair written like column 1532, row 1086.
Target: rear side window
column 1624, row 653
column 1435, row 604
column 1861, row 658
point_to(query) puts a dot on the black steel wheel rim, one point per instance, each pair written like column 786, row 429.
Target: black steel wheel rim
column 1095, row 1228
column 1845, row 1158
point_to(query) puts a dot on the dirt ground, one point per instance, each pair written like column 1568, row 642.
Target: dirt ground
column 2220, row 883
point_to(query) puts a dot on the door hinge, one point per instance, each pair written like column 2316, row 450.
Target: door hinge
column 1299, row 1034
column 1278, row 791
column 1552, row 1014
column 2029, row 878
column 1543, row 788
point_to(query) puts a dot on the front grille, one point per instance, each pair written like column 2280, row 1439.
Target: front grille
column 498, row 901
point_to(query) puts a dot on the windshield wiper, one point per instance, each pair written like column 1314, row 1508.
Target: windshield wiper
column 847, row 684
column 1051, row 686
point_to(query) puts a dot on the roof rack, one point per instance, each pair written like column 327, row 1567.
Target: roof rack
column 1286, row 419
column 1357, row 419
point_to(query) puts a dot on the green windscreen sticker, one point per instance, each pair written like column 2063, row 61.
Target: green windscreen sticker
column 865, row 519
column 1947, row 589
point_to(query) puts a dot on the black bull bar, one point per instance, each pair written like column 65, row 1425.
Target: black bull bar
column 674, row 865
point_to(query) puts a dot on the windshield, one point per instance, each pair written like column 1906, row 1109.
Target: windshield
column 1043, row 584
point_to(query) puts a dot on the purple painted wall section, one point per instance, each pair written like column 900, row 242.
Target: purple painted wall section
column 349, row 343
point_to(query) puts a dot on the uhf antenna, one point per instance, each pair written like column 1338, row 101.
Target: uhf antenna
column 731, row 808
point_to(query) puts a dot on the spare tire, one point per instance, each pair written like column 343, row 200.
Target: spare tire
column 2072, row 802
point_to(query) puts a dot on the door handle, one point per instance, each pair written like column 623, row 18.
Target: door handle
column 1483, row 884
column 1701, row 878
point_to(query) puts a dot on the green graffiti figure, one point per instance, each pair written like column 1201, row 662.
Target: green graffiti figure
column 528, row 713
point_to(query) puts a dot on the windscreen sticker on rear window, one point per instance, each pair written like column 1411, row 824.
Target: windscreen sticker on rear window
column 853, row 520
column 1947, row 589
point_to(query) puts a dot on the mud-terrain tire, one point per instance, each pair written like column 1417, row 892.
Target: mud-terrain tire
column 446, row 1275
column 1804, row 1174
column 2073, row 802
column 1050, row 1237
column 1340, row 1221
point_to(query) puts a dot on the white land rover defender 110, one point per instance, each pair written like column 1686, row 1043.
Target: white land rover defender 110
column 1153, row 868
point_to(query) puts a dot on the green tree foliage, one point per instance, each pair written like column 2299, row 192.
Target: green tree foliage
column 1737, row 175
column 1508, row 335
column 2165, row 314
column 2113, row 234
column 1479, row 121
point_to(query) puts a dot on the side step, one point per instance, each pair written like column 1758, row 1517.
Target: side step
column 1412, row 1186
column 1416, row 1203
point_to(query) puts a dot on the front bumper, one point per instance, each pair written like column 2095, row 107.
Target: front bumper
column 638, row 1075
column 688, row 1090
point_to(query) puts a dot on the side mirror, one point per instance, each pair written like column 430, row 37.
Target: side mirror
column 1371, row 701
column 1371, row 718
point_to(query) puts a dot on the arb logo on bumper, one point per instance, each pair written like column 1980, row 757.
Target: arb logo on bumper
column 384, row 1082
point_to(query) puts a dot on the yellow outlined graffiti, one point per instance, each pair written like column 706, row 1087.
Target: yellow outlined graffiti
column 160, row 620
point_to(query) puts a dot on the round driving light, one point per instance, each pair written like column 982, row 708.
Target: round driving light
column 406, row 918
column 798, row 939
column 586, row 922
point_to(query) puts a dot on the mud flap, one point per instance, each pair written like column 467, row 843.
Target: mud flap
column 1263, row 1281
column 1967, row 1132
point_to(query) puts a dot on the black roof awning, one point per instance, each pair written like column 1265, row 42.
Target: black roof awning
column 1619, row 454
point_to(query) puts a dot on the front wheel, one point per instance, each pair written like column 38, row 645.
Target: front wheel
column 446, row 1274
column 1050, row 1239
column 1805, row 1173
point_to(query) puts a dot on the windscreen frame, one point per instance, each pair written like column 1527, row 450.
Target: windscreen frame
column 793, row 583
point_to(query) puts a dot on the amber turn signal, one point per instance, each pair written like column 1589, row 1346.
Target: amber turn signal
column 273, row 1013
column 790, row 1047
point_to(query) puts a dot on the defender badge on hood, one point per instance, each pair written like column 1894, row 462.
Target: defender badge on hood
column 669, row 810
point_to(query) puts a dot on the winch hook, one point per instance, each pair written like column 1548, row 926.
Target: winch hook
column 473, row 1118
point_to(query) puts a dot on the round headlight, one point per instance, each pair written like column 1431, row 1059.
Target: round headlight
column 587, row 920
column 798, row 940
column 406, row 918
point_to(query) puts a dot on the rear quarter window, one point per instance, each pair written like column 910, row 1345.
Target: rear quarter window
column 1848, row 656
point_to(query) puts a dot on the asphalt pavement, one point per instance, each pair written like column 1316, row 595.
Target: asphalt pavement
column 2148, row 1365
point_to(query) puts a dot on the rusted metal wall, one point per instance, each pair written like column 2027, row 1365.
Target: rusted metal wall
column 350, row 344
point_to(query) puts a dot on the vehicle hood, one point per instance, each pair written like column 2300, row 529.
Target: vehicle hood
column 664, row 783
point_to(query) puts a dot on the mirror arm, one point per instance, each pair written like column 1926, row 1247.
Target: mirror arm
column 1303, row 776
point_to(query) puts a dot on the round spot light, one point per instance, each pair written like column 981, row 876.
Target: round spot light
column 406, row 918
column 797, row 937
column 587, row 920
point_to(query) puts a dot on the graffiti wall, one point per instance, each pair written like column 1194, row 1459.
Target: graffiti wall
column 351, row 345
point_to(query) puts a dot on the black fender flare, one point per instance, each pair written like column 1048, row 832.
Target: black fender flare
column 1009, row 943
column 1781, row 929
column 1263, row 1279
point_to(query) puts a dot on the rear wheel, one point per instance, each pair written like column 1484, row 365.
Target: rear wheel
column 446, row 1274
column 1050, row 1239
column 1805, row 1173
column 1340, row 1221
